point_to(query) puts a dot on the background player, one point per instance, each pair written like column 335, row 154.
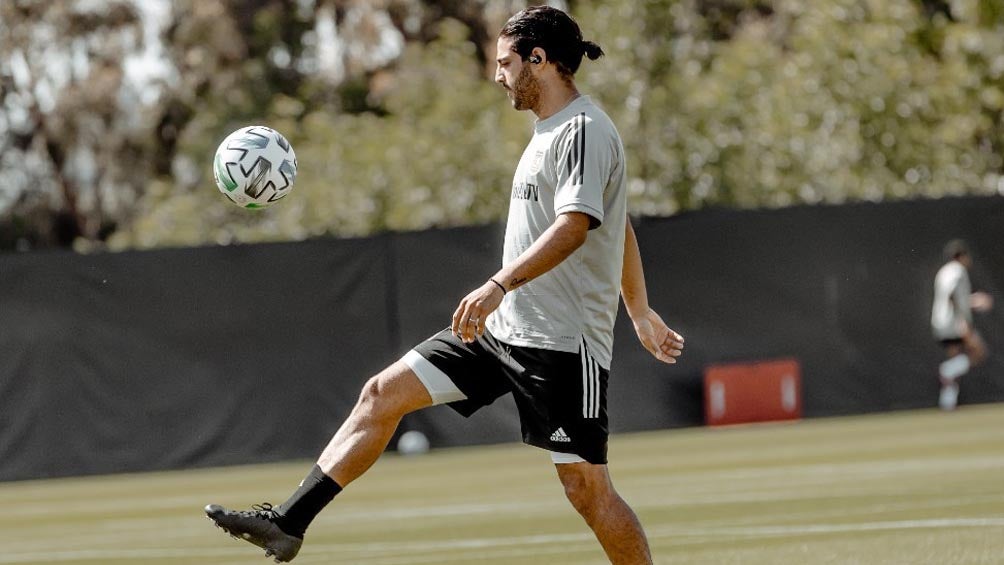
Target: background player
column 952, row 321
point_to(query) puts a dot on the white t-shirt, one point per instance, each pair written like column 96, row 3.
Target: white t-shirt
column 573, row 163
column 951, row 310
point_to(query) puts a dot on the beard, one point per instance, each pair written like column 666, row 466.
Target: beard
column 526, row 90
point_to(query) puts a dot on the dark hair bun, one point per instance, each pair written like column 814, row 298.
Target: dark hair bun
column 592, row 50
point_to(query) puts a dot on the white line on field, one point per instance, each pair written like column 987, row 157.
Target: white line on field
column 409, row 548
column 793, row 474
column 810, row 529
column 65, row 537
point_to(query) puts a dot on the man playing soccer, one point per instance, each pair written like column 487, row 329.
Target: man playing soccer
column 952, row 321
column 541, row 328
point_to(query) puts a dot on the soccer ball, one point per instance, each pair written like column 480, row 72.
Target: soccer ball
column 255, row 167
column 412, row 442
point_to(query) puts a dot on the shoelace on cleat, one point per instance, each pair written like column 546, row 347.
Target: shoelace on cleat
column 265, row 511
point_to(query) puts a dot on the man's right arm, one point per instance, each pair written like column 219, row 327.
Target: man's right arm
column 561, row 239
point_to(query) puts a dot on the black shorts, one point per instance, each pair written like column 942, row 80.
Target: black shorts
column 951, row 342
column 561, row 397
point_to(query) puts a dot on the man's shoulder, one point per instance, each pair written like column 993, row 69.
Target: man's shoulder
column 595, row 114
column 585, row 114
column 951, row 270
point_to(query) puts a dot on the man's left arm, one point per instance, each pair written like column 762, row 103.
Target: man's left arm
column 661, row 341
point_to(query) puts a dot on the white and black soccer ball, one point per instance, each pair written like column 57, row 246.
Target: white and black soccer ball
column 255, row 167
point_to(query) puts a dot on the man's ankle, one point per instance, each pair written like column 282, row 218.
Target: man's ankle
column 316, row 490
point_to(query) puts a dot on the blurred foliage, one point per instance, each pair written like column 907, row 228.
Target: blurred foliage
column 360, row 173
column 803, row 102
column 67, row 152
column 397, row 124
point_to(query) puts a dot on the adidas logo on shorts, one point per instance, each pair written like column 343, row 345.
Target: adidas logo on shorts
column 560, row 436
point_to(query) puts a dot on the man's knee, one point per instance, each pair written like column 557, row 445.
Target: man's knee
column 587, row 487
column 393, row 393
column 379, row 399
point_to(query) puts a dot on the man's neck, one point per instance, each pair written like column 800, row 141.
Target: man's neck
column 556, row 99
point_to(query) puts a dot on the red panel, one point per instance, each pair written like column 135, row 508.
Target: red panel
column 759, row 391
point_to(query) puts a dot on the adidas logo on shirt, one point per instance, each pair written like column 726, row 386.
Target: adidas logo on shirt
column 560, row 436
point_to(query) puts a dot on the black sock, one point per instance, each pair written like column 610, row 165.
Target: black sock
column 315, row 492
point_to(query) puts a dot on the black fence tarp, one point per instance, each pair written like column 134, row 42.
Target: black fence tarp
column 224, row 355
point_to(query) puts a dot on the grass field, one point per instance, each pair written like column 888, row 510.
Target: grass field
column 910, row 488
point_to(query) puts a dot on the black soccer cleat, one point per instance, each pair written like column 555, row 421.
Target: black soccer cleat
column 257, row 526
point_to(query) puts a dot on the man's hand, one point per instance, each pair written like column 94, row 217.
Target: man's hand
column 981, row 302
column 470, row 316
column 662, row 342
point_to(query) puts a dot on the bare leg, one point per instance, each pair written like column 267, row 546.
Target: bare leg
column 615, row 525
column 364, row 435
column 357, row 445
column 975, row 348
column 951, row 370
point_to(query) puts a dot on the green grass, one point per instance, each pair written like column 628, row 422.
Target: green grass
column 911, row 488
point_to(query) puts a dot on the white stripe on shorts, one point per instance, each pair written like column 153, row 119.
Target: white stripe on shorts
column 440, row 387
column 590, row 384
column 560, row 458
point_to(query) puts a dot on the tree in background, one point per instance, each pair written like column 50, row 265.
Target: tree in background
column 749, row 103
column 397, row 125
column 421, row 140
column 68, row 145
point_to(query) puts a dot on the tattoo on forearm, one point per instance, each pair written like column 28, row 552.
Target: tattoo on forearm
column 514, row 282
